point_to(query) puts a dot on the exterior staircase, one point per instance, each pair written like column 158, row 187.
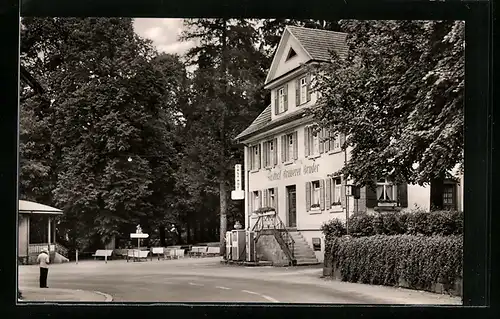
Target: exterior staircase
column 302, row 252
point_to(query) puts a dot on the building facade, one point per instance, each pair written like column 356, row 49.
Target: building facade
column 290, row 167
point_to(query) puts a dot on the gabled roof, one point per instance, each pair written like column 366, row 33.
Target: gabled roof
column 27, row 207
column 318, row 43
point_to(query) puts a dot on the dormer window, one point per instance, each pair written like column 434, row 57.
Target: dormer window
column 281, row 100
column 302, row 92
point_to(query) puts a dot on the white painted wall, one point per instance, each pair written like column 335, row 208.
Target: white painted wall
column 419, row 197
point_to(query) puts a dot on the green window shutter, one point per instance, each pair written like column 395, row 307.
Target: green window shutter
column 403, row 195
column 275, row 151
column 308, row 83
column 327, row 142
column 259, row 157
column 371, row 196
column 276, row 199
column 264, row 154
column 276, row 106
column 321, row 141
column 328, row 193
column 265, row 199
column 306, row 141
column 249, row 158
column 322, row 194
column 297, row 92
column 286, row 97
column 295, row 146
column 283, row 148
column 308, row 196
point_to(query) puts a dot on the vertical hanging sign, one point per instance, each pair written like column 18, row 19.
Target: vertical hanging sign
column 238, row 192
column 237, row 177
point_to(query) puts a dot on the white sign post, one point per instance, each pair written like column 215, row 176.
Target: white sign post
column 138, row 234
column 238, row 193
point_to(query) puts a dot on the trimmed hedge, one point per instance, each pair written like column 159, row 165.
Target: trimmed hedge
column 438, row 223
column 401, row 260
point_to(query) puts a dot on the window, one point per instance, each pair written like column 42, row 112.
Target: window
column 314, row 144
column 271, row 198
column 315, row 195
column 288, row 147
column 255, row 157
column 386, row 191
column 334, row 142
column 270, row 153
column 336, row 191
column 291, row 54
column 281, row 100
column 303, row 90
column 256, row 200
column 449, row 196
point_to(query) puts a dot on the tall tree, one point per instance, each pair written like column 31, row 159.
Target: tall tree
column 398, row 96
column 226, row 92
column 108, row 123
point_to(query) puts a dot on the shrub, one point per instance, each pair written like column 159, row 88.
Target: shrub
column 361, row 224
column 417, row 222
column 385, row 260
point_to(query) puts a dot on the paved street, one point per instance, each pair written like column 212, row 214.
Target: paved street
column 207, row 280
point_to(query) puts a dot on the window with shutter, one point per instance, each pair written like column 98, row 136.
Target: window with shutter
column 314, row 142
column 386, row 191
column 290, row 142
column 328, row 193
column 308, row 86
column 315, row 195
column 303, row 90
column 336, row 191
column 322, row 194
column 271, row 198
column 281, row 100
column 275, row 194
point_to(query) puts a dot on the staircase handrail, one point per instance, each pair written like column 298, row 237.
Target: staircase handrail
column 275, row 223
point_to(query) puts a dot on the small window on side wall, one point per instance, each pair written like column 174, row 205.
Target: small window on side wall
column 316, row 244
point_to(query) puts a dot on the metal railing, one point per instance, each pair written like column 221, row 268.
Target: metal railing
column 270, row 221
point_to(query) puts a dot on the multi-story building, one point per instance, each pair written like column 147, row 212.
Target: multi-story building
column 290, row 167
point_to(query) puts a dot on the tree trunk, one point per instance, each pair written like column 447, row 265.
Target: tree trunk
column 162, row 235
column 188, row 231
column 223, row 218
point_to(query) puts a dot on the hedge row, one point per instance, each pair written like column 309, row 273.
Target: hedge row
column 390, row 260
column 439, row 223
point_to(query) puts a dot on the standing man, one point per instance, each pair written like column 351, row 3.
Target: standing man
column 43, row 261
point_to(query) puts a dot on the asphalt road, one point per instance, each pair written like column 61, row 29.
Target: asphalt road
column 207, row 280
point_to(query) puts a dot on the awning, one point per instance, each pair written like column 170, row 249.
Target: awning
column 27, row 207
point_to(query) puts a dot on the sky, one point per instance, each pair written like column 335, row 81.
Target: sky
column 164, row 33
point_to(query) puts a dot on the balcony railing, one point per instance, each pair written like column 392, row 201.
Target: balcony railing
column 271, row 221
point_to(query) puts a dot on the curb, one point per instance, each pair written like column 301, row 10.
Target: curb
column 108, row 297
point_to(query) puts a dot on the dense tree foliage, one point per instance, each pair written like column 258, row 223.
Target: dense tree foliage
column 110, row 145
column 226, row 92
column 398, row 95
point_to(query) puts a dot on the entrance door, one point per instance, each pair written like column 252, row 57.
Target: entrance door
column 291, row 206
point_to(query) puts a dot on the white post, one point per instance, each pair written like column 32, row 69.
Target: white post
column 49, row 231
column 77, row 256
column 106, row 256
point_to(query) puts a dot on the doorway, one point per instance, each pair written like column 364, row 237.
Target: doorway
column 291, row 201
